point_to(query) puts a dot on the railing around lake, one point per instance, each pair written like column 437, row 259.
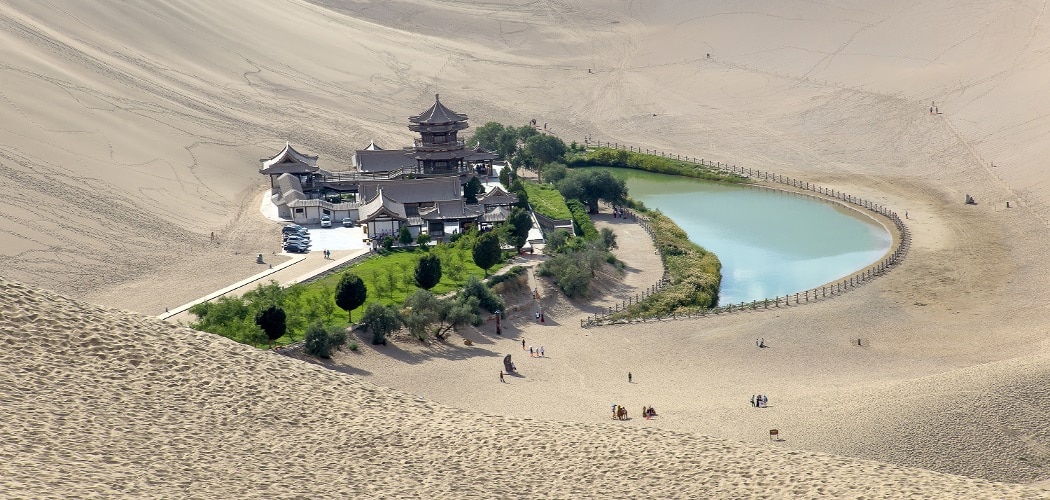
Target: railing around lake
column 869, row 273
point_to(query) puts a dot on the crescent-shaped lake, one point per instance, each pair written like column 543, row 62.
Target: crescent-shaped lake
column 771, row 243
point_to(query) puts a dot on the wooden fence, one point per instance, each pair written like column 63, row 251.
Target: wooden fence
column 903, row 243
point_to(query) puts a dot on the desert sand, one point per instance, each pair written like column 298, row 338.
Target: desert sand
column 131, row 131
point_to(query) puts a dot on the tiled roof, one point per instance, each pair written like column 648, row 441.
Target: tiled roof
column 346, row 205
column 381, row 160
column 430, row 189
column 498, row 214
column 289, row 157
column 381, row 205
column 448, row 210
column 478, row 153
column 497, row 196
column 290, row 189
column 437, row 114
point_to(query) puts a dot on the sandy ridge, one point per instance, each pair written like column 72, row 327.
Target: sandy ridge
column 109, row 403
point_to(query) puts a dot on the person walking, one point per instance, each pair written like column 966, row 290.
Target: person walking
column 541, row 352
column 629, row 377
column 501, row 377
column 752, row 400
column 523, row 343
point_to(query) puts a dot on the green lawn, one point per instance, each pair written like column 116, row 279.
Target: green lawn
column 547, row 201
column 391, row 278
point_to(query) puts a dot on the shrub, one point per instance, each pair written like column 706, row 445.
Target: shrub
column 511, row 274
column 486, row 298
column 582, row 220
column 382, row 321
column 608, row 157
column 320, row 341
column 572, row 279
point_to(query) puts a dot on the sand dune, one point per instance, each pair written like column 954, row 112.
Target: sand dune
column 130, row 131
column 102, row 402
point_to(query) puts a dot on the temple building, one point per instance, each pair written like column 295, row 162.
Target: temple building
column 290, row 161
column 419, row 186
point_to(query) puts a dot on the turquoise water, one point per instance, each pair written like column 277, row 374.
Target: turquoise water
column 770, row 243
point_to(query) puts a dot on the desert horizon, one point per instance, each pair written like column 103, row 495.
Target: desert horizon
column 132, row 131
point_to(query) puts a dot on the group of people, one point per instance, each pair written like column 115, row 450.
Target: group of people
column 621, row 213
column 620, row 412
column 536, row 353
column 648, row 412
column 759, row 401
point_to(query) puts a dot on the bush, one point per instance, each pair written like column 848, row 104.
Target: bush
column 486, row 298
column 572, row 279
column 582, row 220
column 320, row 342
column 382, row 320
column 608, row 157
column 511, row 274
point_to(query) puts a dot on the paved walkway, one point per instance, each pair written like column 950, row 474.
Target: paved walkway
column 299, row 269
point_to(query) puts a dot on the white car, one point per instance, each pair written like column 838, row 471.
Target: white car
column 326, row 221
column 348, row 222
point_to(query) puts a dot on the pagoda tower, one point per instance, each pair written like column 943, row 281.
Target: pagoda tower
column 438, row 150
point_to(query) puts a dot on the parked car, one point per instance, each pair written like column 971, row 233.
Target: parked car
column 296, row 248
column 293, row 228
column 326, row 221
column 299, row 240
column 348, row 222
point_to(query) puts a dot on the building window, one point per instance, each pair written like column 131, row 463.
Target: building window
column 298, row 210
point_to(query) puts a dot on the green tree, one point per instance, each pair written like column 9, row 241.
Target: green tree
column 545, row 149
column 231, row 317
column 382, row 321
column 506, row 143
column 428, row 271
column 272, row 321
column 590, row 186
column 524, row 132
column 487, row 251
column 388, row 243
column 505, row 177
column 456, row 313
column 472, row 189
column 555, row 172
column 518, row 224
column 267, row 294
column 517, row 188
column 350, row 293
column 487, row 136
column 404, row 236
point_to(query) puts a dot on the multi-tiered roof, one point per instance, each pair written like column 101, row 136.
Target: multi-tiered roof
column 438, row 149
